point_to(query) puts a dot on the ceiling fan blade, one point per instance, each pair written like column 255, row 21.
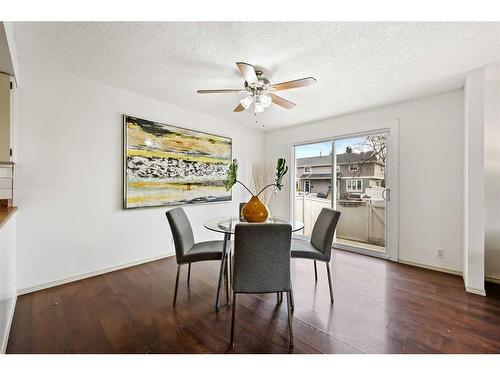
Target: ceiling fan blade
column 248, row 72
column 239, row 108
column 282, row 102
column 293, row 84
column 219, row 91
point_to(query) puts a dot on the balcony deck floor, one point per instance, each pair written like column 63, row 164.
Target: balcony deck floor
column 364, row 245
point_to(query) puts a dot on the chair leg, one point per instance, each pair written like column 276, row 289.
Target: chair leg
column 189, row 273
column 329, row 280
column 232, row 320
column 315, row 272
column 221, row 272
column 231, row 268
column 219, row 285
column 279, row 297
column 289, row 308
column 226, row 271
column 292, row 302
column 177, row 283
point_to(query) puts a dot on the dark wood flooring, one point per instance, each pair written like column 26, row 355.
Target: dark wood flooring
column 380, row 307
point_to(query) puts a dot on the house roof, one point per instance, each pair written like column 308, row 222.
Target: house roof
column 352, row 157
column 318, row 176
column 314, row 160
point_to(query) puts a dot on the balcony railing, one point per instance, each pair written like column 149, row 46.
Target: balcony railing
column 361, row 221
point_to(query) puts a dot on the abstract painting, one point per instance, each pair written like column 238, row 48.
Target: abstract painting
column 168, row 165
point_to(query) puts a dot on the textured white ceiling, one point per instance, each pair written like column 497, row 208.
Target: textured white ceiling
column 357, row 65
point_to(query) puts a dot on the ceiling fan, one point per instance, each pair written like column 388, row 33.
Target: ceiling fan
column 260, row 91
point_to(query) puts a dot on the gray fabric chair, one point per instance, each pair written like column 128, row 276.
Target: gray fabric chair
column 262, row 263
column 319, row 247
column 187, row 251
column 239, row 213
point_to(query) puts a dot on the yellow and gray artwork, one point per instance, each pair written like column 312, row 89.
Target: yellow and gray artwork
column 168, row 165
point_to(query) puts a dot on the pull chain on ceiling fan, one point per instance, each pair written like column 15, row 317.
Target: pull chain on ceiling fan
column 260, row 91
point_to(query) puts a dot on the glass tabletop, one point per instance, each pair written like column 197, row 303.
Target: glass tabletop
column 227, row 224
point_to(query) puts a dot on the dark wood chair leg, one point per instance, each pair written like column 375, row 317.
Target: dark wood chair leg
column 292, row 302
column 290, row 317
column 189, row 273
column 315, row 272
column 233, row 316
column 329, row 280
column 176, row 283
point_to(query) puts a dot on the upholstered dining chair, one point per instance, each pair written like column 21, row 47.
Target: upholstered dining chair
column 261, row 263
column 239, row 212
column 187, row 251
column 319, row 247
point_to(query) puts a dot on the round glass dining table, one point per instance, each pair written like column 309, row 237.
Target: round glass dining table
column 227, row 225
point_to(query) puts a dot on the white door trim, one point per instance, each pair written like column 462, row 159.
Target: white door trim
column 392, row 168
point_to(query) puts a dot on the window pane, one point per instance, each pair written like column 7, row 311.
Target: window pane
column 314, row 188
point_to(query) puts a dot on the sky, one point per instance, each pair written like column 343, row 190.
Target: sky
column 325, row 147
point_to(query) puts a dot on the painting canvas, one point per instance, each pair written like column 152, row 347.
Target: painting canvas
column 168, row 165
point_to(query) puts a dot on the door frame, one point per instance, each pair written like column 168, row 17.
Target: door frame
column 392, row 168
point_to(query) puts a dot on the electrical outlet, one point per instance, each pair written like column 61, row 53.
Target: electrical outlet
column 440, row 253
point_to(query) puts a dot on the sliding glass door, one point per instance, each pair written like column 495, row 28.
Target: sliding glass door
column 349, row 174
column 361, row 192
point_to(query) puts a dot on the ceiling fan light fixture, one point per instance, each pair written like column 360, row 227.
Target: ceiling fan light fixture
column 265, row 100
column 260, row 91
column 258, row 107
column 246, row 102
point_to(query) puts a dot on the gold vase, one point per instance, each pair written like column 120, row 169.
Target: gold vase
column 254, row 211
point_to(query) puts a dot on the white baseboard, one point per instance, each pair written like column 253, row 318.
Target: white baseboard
column 492, row 279
column 5, row 339
column 91, row 274
column 432, row 268
column 480, row 292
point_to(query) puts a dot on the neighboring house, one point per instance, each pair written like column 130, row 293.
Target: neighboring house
column 314, row 174
column 355, row 173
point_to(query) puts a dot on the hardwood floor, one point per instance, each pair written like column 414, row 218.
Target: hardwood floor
column 380, row 307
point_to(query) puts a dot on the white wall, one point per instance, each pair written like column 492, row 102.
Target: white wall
column 492, row 178
column 430, row 171
column 69, row 177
